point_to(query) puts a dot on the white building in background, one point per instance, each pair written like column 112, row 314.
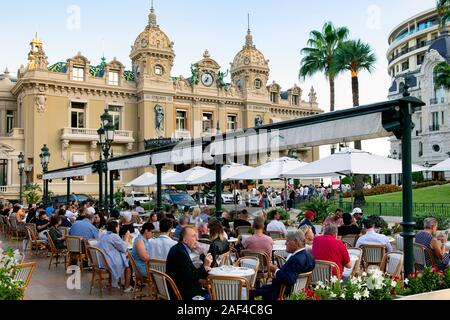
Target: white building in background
column 415, row 48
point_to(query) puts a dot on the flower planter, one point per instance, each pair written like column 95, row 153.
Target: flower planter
column 434, row 295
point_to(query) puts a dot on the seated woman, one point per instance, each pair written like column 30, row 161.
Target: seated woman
column 141, row 247
column 55, row 233
column 154, row 220
column 99, row 220
column 127, row 224
column 348, row 227
column 115, row 250
column 435, row 244
column 219, row 245
column 309, row 237
column 195, row 218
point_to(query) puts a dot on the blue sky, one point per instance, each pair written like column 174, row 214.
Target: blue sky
column 280, row 29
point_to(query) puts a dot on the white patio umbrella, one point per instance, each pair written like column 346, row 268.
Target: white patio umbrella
column 442, row 166
column 187, row 177
column 141, row 181
column 350, row 162
column 152, row 180
column 229, row 172
column 273, row 169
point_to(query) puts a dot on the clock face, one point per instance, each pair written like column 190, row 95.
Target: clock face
column 247, row 60
column 207, row 79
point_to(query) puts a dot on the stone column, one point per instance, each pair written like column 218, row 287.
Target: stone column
column 3, row 122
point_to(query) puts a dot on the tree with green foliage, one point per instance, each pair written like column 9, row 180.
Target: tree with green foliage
column 319, row 55
column 32, row 193
column 355, row 56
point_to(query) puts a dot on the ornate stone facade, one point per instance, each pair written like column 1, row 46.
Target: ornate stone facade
column 60, row 105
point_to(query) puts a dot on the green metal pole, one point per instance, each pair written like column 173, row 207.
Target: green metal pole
column 111, row 191
column 106, row 185
column 100, row 183
column 408, row 224
column 20, row 186
column 159, row 187
column 341, row 196
column 68, row 191
column 218, row 168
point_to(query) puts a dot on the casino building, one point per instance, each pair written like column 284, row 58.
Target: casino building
column 60, row 103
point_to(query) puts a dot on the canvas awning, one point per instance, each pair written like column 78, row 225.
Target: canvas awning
column 69, row 173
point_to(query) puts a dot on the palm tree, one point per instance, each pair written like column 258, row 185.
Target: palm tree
column 355, row 56
column 442, row 75
column 443, row 10
column 319, row 55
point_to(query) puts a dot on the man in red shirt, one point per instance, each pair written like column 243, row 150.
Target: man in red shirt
column 329, row 248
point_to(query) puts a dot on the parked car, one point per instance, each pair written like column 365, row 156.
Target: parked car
column 228, row 197
column 200, row 197
column 181, row 199
column 79, row 197
column 254, row 201
column 136, row 196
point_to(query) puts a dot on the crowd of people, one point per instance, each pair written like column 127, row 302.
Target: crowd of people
column 173, row 236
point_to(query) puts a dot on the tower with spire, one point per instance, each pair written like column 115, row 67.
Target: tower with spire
column 37, row 60
column 250, row 70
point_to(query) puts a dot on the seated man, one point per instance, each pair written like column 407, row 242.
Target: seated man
column 335, row 219
column 309, row 217
column 159, row 248
column 259, row 241
column 180, row 268
column 372, row 238
column 277, row 225
column 348, row 227
column 85, row 228
column 299, row 261
column 329, row 248
column 242, row 221
column 183, row 222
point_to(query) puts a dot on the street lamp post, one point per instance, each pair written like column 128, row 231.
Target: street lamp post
column 21, row 166
column 426, row 165
column 106, row 137
column 45, row 160
column 394, row 156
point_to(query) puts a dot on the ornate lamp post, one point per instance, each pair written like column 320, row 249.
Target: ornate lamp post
column 426, row 165
column 45, row 160
column 106, row 137
column 394, row 156
column 21, row 166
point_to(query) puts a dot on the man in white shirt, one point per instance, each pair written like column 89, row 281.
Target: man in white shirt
column 71, row 213
column 90, row 208
column 277, row 225
column 159, row 248
column 373, row 238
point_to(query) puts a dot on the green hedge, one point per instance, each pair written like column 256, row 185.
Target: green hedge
column 442, row 220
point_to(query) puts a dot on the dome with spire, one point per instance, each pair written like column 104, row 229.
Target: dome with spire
column 249, row 56
column 152, row 38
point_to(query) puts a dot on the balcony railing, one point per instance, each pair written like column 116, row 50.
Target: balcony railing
column 182, row 134
column 410, row 49
column 8, row 189
column 433, row 101
column 85, row 134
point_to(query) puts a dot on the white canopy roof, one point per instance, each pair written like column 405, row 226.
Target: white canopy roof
column 273, row 169
column 228, row 171
column 151, row 179
column 187, row 177
column 443, row 166
column 349, row 162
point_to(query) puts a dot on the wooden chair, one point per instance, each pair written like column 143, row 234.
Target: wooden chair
column 34, row 241
column 224, row 259
column 100, row 268
column 264, row 273
column 279, row 259
column 303, row 282
column 17, row 230
column 75, row 250
column 228, row 288
column 243, row 230
column 348, row 245
column 55, row 252
column 323, row 272
column 423, row 257
column 162, row 283
column 351, row 239
column 205, row 241
column 158, row 265
column 392, row 264
column 252, row 263
column 9, row 229
column 156, row 234
column 276, row 235
column 23, row 272
column 372, row 255
column 358, row 253
column 64, row 230
column 140, row 281
column 398, row 242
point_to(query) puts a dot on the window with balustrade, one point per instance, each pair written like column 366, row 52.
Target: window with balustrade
column 115, row 112
column 78, row 115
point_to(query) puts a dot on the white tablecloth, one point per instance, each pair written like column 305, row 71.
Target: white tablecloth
column 231, row 271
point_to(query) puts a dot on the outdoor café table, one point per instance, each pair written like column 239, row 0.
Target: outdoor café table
column 279, row 245
column 348, row 271
column 233, row 271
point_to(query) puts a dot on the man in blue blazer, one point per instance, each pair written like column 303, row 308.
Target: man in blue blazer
column 180, row 268
column 298, row 262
